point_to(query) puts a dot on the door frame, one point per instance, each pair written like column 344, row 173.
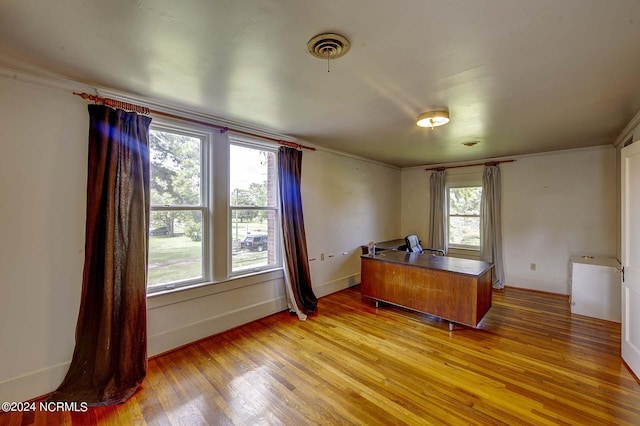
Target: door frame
column 630, row 277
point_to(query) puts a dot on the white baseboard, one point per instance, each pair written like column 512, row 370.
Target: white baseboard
column 327, row 288
column 41, row 382
column 538, row 285
column 33, row 384
column 177, row 337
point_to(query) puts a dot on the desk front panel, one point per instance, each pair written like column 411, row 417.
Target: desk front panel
column 456, row 297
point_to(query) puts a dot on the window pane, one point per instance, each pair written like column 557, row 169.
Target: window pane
column 252, row 177
column 175, row 168
column 464, row 230
column 175, row 247
column 254, row 239
column 465, row 201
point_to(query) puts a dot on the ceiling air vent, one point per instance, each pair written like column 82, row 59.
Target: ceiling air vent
column 328, row 46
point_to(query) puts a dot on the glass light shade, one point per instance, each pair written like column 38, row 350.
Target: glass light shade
column 433, row 119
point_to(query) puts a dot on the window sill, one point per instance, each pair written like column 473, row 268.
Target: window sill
column 196, row 291
column 464, row 252
column 462, row 248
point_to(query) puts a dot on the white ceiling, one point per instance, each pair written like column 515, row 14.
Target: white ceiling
column 518, row 76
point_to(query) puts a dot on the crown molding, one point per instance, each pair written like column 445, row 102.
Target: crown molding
column 52, row 82
column 192, row 114
column 627, row 132
column 512, row 157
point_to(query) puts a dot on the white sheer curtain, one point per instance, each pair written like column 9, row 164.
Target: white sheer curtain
column 438, row 215
column 491, row 223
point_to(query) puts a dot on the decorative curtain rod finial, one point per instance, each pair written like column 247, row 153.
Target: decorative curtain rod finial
column 84, row 96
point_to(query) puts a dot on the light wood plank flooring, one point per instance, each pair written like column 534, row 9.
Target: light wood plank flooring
column 532, row 362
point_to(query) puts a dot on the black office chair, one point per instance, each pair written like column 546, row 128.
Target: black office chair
column 413, row 246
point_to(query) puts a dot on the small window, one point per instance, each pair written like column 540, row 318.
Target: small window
column 253, row 208
column 178, row 209
column 464, row 216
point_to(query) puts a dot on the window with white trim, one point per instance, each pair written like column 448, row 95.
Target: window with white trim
column 253, row 207
column 190, row 167
column 463, row 216
column 179, row 208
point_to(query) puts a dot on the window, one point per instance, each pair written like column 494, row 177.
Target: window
column 190, row 167
column 253, row 195
column 464, row 216
column 179, row 211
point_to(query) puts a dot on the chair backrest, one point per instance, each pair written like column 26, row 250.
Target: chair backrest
column 413, row 243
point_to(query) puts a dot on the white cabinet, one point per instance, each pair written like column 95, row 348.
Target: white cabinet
column 595, row 287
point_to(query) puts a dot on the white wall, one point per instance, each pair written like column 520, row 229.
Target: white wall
column 43, row 175
column 43, row 170
column 347, row 202
column 554, row 205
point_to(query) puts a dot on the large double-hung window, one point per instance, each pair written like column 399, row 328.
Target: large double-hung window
column 189, row 169
column 179, row 208
column 253, row 208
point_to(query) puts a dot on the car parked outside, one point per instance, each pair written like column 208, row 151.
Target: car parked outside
column 163, row 230
column 255, row 242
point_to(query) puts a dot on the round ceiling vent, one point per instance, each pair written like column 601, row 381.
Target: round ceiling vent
column 328, row 46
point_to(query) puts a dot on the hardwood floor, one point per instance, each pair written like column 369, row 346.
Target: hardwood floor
column 532, row 362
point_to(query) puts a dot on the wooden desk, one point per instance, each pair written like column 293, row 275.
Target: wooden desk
column 457, row 290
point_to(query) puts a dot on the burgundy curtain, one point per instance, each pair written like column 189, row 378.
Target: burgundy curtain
column 294, row 238
column 110, row 356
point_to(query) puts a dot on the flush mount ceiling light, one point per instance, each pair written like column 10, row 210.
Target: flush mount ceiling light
column 433, row 118
column 328, row 46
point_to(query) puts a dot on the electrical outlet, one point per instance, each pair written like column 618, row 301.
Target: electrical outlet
column 532, row 266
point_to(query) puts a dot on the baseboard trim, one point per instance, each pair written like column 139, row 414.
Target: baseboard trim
column 330, row 287
column 172, row 339
column 35, row 383
column 44, row 381
column 553, row 293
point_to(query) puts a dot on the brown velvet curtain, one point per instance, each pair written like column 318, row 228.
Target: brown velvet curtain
column 294, row 238
column 110, row 357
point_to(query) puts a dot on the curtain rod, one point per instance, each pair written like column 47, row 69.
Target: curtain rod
column 488, row 163
column 144, row 110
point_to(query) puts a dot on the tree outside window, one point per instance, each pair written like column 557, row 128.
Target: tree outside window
column 177, row 209
column 464, row 216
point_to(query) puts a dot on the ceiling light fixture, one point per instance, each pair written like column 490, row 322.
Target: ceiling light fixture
column 433, row 118
column 328, row 46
